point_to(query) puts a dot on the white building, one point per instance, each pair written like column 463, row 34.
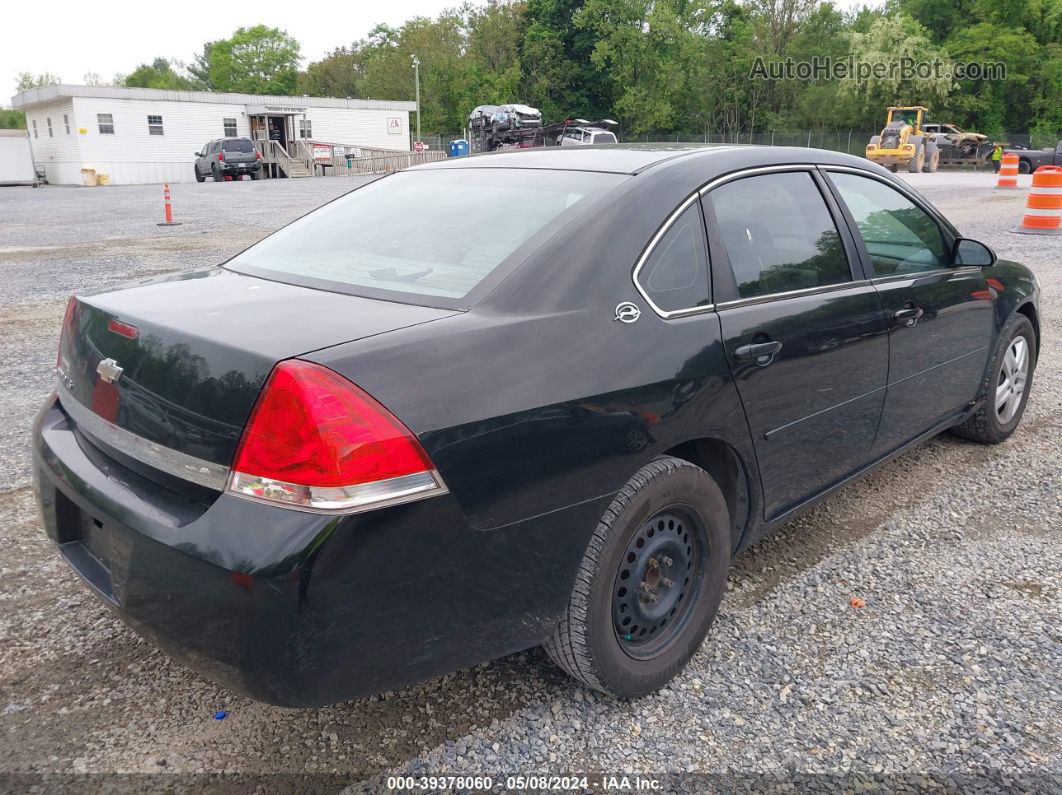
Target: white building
column 144, row 135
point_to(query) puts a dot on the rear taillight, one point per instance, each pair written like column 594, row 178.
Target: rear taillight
column 221, row 155
column 316, row 441
column 68, row 322
column 257, row 155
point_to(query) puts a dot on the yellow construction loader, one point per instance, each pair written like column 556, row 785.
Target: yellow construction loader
column 904, row 143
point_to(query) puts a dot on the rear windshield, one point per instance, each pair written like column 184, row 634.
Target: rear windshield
column 237, row 145
column 437, row 233
column 604, row 138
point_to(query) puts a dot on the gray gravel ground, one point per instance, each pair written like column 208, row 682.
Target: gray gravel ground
column 948, row 677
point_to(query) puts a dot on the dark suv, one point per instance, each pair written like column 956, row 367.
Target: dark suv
column 228, row 157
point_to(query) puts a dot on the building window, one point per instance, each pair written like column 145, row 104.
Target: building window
column 34, row 128
column 305, row 128
column 154, row 125
column 50, row 135
column 66, row 123
column 106, row 122
column 230, row 127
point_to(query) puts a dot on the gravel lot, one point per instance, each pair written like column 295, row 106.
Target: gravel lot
column 948, row 677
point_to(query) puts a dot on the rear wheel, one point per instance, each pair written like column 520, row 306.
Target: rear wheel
column 1024, row 167
column 650, row 583
column 215, row 172
column 1006, row 387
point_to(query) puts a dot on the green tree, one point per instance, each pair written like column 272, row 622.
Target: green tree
column 889, row 40
column 12, row 119
column 557, row 74
column 160, row 73
column 27, row 80
column 257, row 60
column 995, row 106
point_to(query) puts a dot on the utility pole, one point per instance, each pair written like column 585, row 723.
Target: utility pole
column 416, row 73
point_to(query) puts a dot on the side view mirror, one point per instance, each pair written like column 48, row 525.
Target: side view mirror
column 973, row 253
column 198, row 154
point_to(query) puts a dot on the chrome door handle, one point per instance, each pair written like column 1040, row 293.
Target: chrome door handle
column 762, row 352
column 909, row 315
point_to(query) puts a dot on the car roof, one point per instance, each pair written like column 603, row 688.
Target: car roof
column 637, row 158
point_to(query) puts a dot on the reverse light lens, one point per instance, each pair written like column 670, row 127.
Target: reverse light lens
column 317, row 441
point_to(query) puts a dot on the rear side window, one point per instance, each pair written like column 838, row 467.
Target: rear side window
column 433, row 233
column 899, row 235
column 237, row 145
column 779, row 234
column 675, row 274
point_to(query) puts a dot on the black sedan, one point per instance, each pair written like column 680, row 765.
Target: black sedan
column 537, row 397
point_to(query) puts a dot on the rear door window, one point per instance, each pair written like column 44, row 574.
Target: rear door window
column 438, row 234
column 779, row 234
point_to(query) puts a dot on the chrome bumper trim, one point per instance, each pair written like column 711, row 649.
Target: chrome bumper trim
column 204, row 473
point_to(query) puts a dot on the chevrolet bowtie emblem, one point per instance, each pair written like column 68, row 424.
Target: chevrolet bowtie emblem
column 109, row 370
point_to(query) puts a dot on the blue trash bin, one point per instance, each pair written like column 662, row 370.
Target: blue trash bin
column 458, row 147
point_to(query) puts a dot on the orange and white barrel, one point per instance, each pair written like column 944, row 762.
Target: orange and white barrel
column 1043, row 208
column 1008, row 171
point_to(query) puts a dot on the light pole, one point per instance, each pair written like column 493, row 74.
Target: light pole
column 416, row 73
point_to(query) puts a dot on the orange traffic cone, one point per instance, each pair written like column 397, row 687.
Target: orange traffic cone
column 1043, row 208
column 1008, row 171
column 167, row 208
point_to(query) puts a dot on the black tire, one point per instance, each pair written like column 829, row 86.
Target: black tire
column 255, row 175
column 1024, row 167
column 587, row 644
column 198, row 177
column 985, row 424
column 914, row 165
column 215, row 172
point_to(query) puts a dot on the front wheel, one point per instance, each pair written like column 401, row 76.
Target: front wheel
column 199, row 177
column 650, row 583
column 1006, row 387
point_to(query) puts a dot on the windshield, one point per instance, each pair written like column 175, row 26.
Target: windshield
column 439, row 232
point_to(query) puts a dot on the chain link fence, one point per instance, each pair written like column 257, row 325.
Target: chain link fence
column 852, row 142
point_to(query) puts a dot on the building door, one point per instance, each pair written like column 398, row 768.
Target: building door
column 278, row 130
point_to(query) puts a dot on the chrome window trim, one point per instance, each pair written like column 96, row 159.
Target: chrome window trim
column 958, row 270
column 197, row 470
column 751, row 172
column 769, row 297
column 663, row 230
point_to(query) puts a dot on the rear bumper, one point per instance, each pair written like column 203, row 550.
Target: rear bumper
column 240, row 168
column 299, row 609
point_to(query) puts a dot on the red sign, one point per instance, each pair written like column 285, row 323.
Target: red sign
column 418, row 146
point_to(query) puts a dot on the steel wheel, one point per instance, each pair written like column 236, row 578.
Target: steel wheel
column 657, row 582
column 1013, row 375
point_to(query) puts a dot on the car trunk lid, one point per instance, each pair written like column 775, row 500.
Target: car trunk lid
column 179, row 361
